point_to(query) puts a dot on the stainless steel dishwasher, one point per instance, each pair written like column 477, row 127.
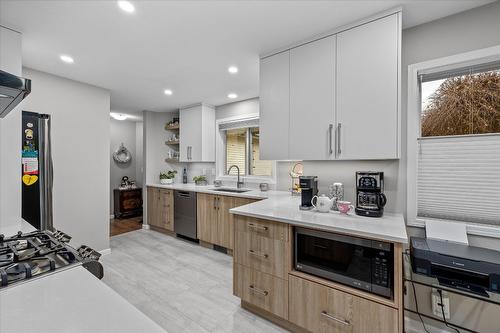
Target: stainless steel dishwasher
column 185, row 213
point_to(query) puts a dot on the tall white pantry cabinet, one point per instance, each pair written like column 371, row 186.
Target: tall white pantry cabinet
column 336, row 97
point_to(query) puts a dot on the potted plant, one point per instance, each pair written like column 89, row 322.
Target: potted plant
column 167, row 177
column 200, row 180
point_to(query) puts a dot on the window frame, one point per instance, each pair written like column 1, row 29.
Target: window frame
column 414, row 129
column 220, row 154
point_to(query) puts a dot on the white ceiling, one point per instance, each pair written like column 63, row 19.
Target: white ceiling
column 185, row 46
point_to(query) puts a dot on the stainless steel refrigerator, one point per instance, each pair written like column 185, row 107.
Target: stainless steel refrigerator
column 37, row 171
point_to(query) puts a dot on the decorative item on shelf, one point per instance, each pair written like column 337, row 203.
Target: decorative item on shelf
column 167, row 177
column 336, row 193
column 200, row 180
column 122, row 155
column 172, row 125
column 295, row 173
column 127, row 184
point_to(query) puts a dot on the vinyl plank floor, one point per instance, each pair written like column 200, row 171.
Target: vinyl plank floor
column 180, row 285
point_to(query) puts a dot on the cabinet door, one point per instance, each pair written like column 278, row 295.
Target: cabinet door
column 190, row 134
column 274, row 106
column 166, row 209
column 312, row 107
column 367, row 90
column 207, row 217
column 153, row 198
column 225, row 223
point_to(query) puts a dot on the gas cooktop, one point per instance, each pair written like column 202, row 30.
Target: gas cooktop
column 34, row 254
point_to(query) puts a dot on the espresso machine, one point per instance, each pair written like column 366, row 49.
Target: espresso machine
column 370, row 197
column 308, row 189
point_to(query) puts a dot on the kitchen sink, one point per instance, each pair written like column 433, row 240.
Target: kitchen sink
column 232, row 190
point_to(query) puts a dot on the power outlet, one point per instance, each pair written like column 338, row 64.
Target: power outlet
column 436, row 307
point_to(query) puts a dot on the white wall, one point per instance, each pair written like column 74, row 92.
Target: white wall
column 139, row 157
column 80, row 145
column 155, row 150
column 10, row 135
column 122, row 131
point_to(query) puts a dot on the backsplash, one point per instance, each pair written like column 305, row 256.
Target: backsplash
column 328, row 172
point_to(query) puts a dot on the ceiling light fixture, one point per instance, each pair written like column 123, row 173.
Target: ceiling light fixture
column 168, row 92
column 67, row 59
column 232, row 69
column 232, row 95
column 126, row 6
column 118, row 116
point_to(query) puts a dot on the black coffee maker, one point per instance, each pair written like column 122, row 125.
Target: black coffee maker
column 308, row 188
column 370, row 199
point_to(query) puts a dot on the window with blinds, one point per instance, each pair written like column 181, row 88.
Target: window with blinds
column 459, row 146
column 242, row 148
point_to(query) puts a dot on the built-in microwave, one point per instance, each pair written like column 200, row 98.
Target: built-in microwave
column 357, row 262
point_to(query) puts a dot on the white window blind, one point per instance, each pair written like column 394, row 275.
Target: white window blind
column 239, row 124
column 459, row 178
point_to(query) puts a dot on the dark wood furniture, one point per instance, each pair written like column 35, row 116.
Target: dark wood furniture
column 127, row 202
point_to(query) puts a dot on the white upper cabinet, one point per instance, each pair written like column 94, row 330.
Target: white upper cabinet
column 312, row 102
column 197, row 133
column 274, row 106
column 367, row 90
column 334, row 97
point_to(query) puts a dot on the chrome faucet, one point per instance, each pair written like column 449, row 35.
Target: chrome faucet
column 239, row 184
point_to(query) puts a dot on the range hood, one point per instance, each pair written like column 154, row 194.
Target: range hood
column 13, row 90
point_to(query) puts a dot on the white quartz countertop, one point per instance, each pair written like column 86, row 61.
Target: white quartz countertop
column 69, row 301
column 390, row 227
column 210, row 189
column 11, row 227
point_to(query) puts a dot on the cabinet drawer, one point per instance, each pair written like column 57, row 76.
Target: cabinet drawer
column 264, row 228
column 321, row 309
column 262, row 290
column 267, row 255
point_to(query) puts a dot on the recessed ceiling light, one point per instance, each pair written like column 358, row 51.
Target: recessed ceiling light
column 118, row 116
column 168, row 92
column 232, row 69
column 232, row 95
column 67, row 59
column 126, row 6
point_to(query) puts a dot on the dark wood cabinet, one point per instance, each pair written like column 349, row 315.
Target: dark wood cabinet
column 127, row 202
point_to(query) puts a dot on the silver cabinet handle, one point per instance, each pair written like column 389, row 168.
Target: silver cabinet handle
column 335, row 319
column 330, row 130
column 258, row 291
column 190, row 152
column 258, row 227
column 258, row 254
column 339, row 149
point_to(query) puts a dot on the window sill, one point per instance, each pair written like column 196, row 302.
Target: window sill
column 249, row 179
column 475, row 229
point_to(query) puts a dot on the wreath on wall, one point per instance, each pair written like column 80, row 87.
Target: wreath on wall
column 122, row 155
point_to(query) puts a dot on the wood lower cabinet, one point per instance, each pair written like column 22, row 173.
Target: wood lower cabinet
column 207, row 216
column 321, row 309
column 263, row 254
column 215, row 223
column 265, row 281
column 262, row 290
column 160, row 208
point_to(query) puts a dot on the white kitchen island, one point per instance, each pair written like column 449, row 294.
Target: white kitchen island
column 71, row 300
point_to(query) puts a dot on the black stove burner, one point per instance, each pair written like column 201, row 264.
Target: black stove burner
column 27, row 255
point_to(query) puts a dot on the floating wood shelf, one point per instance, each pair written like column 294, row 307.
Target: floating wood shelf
column 172, row 160
column 172, row 127
column 172, row 142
